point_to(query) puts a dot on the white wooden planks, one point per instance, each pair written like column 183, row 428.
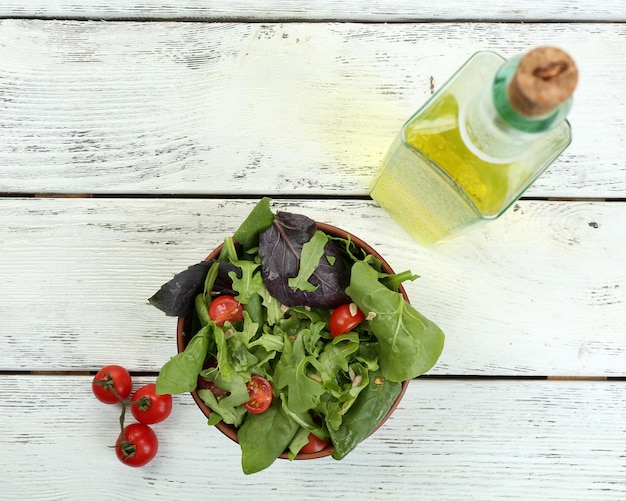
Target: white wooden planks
column 448, row 439
column 304, row 108
column 541, row 291
column 355, row 10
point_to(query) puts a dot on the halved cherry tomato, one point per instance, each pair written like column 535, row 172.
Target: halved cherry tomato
column 151, row 408
column 261, row 394
column 345, row 318
column 314, row 445
column 225, row 309
column 139, row 446
column 112, row 377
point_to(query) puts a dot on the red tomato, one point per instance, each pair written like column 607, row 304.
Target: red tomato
column 314, row 445
column 109, row 380
column 260, row 391
column 225, row 309
column 152, row 408
column 139, row 446
column 345, row 318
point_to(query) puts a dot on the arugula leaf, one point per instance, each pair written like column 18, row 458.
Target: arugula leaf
column 312, row 252
column 393, row 281
column 233, row 356
column 409, row 343
column 180, row 373
column 250, row 282
column 229, row 407
column 292, row 372
column 202, row 312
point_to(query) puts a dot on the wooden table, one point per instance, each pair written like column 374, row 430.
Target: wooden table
column 135, row 136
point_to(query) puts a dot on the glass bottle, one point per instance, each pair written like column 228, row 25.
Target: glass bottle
column 478, row 143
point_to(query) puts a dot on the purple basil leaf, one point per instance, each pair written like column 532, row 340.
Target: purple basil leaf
column 176, row 297
column 280, row 248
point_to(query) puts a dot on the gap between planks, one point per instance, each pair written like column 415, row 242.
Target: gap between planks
column 300, row 196
column 432, row 377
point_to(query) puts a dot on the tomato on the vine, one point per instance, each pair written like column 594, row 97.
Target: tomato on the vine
column 261, row 394
column 314, row 444
column 139, row 445
column 345, row 318
column 225, row 309
column 110, row 380
column 150, row 407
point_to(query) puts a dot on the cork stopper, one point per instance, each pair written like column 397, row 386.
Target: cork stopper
column 546, row 77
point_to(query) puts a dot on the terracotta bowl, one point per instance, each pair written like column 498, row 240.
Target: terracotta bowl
column 231, row 431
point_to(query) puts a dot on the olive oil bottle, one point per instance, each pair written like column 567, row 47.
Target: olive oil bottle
column 477, row 144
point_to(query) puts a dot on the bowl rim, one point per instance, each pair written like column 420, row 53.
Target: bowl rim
column 229, row 430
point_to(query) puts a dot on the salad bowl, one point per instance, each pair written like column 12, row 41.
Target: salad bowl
column 229, row 430
column 295, row 338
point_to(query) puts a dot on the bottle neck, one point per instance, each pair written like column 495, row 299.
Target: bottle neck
column 502, row 103
column 493, row 130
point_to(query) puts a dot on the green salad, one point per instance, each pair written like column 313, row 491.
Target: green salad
column 296, row 338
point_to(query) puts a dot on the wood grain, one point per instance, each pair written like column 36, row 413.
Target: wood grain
column 354, row 10
column 541, row 291
column 449, row 439
column 300, row 108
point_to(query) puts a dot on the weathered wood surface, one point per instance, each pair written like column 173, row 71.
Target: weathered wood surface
column 316, row 10
column 241, row 105
column 539, row 292
column 448, row 440
column 303, row 108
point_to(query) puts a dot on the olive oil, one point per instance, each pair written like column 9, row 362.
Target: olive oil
column 458, row 162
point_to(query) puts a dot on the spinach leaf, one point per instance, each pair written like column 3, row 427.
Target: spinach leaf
column 409, row 343
column 280, row 250
column 264, row 437
column 180, row 373
column 366, row 413
column 299, row 441
column 257, row 221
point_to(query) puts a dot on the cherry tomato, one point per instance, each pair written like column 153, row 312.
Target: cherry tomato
column 152, row 408
column 225, row 309
column 139, row 446
column 260, row 391
column 345, row 318
column 111, row 377
column 314, row 445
